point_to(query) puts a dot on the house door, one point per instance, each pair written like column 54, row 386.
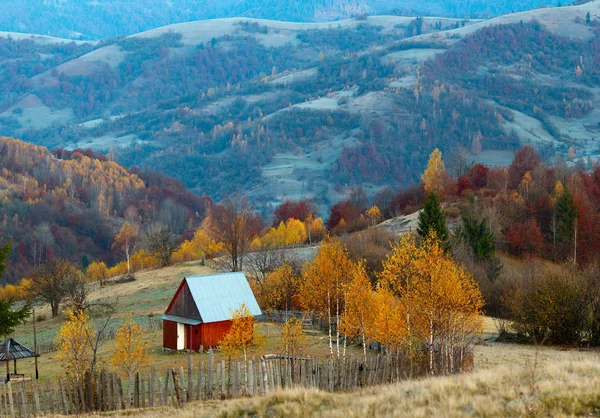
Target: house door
column 181, row 328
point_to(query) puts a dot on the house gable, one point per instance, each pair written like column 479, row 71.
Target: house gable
column 183, row 303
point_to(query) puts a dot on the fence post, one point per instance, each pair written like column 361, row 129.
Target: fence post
column 263, row 376
column 57, row 398
column 159, row 387
column 151, row 388
column 109, row 392
column 211, row 365
column 223, row 377
column 217, row 383
column 190, row 380
column 63, row 396
column 143, row 391
column 182, row 394
column 199, row 383
column 175, row 389
column 136, row 391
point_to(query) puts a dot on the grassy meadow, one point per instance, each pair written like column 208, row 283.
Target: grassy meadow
column 148, row 295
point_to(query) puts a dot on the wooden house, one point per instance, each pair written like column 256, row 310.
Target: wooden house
column 199, row 314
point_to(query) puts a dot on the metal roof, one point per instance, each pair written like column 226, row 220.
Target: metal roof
column 16, row 350
column 181, row 319
column 218, row 295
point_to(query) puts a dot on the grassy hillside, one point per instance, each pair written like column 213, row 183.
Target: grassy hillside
column 291, row 110
column 100, row 20
column 145, row 298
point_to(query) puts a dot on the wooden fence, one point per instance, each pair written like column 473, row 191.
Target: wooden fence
column 105, row 391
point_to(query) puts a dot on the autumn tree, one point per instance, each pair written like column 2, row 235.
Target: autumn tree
column 524, row 238
column 126, row 243
column 234, row 224
column 526, row 159
column 289, row 209
column 131, row 351
column 374, row 215
column 357, row 321
column 241, row 338
column 323, row 285
column 439, row 303
column 49, row 282
column 432, row 218
column 280, row 288
column 292, row 339
column 97, row 272
column 161, row 243
column 435, row 177
column 315, row 229
column 72, row 345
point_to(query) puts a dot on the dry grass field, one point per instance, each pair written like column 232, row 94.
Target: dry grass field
column 555, row 388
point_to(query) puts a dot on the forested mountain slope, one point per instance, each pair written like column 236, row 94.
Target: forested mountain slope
column 108, row 18
column 72, row 204
column 290, row 110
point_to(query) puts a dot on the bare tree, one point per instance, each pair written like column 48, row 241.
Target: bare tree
column 458, row 161
column 234, row 223
column 101, row 313
column 75, row 289
column 48, row 282
column 161, row 243
column 260, row 262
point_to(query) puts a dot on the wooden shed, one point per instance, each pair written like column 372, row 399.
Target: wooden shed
column 199, row 314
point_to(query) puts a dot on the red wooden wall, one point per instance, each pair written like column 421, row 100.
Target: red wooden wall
column 211, row 334
column 170, row 335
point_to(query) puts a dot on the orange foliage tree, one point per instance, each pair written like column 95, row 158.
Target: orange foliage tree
column 279, row 290
column 357, row 321
column 241, row 338
column 435, row 178
column 439, row 300
column 324, row 283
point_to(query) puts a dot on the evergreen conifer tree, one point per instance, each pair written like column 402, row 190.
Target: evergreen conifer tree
column 566, row 215
column 432, row 218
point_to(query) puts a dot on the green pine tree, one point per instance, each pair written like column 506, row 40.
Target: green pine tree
column 566, row 215
column 478, row 236
column 432, row 218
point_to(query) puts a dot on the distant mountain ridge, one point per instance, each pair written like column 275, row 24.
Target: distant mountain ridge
column 104, row 19
column 312, row 110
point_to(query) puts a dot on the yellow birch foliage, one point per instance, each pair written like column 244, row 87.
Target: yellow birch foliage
column 292, row 232
column 324, row 282
column 241, row 338
column 374, row 215
column 434, row 178
column 202, row 243
column 292, row 337
column 131, row 351
column 315, row 229
column 388, row 322
column 438, row 299
column 72, row 344
column 97, row 272
column 280, row 289
column 559, row 189
column 357, row 321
